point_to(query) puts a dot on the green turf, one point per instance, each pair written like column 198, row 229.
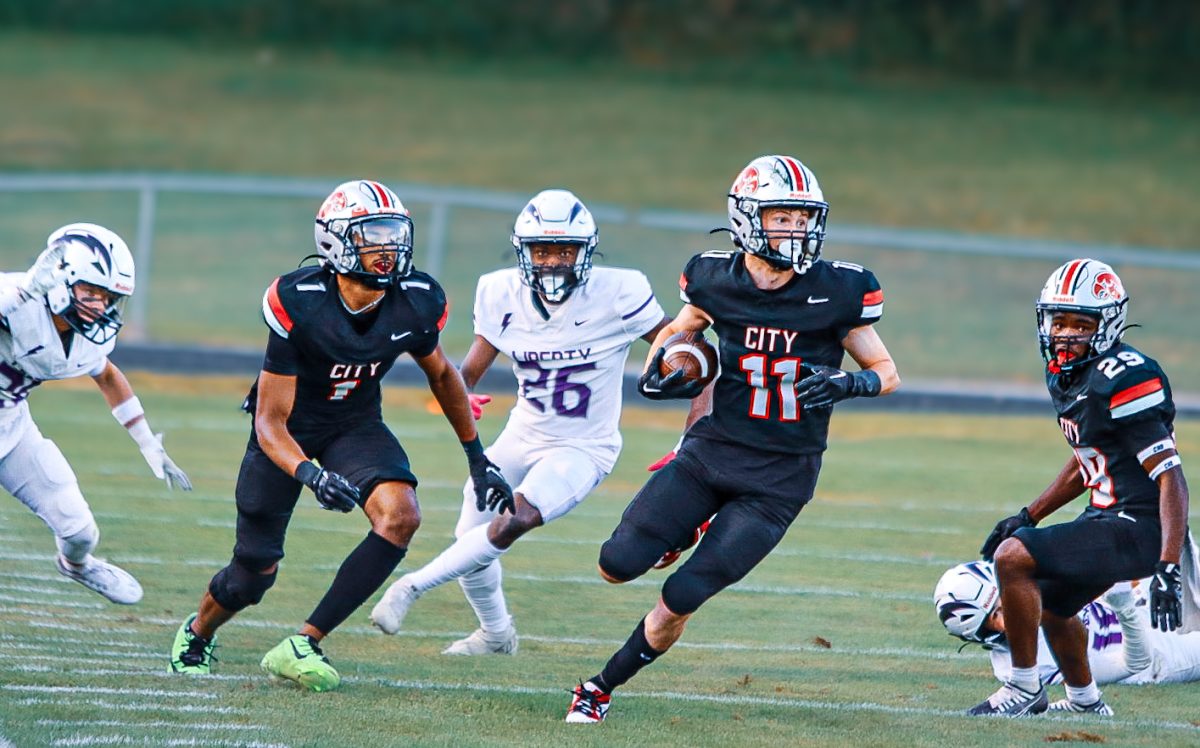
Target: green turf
column 901, row 498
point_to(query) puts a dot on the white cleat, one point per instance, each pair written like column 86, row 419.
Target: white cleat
column 485, row 643
column 98, row 575
column 388, row 614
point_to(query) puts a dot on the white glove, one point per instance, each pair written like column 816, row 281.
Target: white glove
column 47, row 271
column 163, row 467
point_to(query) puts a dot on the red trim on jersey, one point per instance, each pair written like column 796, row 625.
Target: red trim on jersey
column 873, row 298
column 276, row 305
column 797, row 173
column 1136, row 391
column 383, row 198
column 445, row 316
column 682, row 282
column 1069, row 277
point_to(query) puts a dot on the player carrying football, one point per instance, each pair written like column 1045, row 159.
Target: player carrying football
column 335, row 330
column 1114, row 407
column 57, row 321
column 784, row 319
column 567, row 327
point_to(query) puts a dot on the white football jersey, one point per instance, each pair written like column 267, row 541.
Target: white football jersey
column 569, row 368
column 31, row 350
column 1128, row 651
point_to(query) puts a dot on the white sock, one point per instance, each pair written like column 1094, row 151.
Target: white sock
column 1025, row 678
column 486, row 596
column 470, row 552
column 1089, row 694
column 78, row 548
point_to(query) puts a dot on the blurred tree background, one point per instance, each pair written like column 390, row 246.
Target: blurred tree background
column 1150, row 43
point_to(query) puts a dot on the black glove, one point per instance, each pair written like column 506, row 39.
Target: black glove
column 1166, row 595
column 334, row 492
column 1004, row 530
column 655, row 386
column 827, row 385
column 492, row 492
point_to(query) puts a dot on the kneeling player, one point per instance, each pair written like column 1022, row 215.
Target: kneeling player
column 335, row 331
column 57, row 321
column 567, row 327
column 779, row 312
column 1115, row 410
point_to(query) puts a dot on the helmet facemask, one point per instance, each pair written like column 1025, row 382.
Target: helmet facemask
column 93, row 312
column 376, row 249
column 554, row 282
column 797, row 250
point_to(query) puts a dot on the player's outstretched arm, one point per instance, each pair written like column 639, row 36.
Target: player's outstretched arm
column 1166, row 588
column 478, row 360
column 127, row 409
column 491, row 490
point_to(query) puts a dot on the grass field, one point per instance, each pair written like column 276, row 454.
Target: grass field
column 856, row 573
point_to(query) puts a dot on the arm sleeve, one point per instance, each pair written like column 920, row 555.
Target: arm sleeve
column 281, row 356
column 636, row 305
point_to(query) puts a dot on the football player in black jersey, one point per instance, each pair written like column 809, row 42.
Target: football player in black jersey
column 1114, row 407
column 784, row 319
column 335, row 330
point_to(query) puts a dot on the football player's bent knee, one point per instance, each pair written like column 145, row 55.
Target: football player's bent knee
column 1012, row 557
column 684, row 592
column 76, row 547
column 238, row 586
column 626, row 556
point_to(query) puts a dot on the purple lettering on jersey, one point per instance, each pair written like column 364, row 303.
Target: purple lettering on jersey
column 1103, row 641
column 16, row 383
column 567, row 355
column 561, row 389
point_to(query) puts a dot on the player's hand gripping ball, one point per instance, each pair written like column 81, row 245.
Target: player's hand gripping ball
column 693, row 354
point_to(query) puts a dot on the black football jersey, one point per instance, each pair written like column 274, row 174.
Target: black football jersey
column 339, row 359
column 1115, row 413
column 765, row 337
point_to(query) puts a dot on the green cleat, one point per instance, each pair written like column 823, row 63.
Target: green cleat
column 192, row 653
column 299, row 659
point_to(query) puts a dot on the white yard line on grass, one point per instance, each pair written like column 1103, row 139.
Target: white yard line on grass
column 84, row 740
column 97, row 690
column 135, row 706
column 143, row 725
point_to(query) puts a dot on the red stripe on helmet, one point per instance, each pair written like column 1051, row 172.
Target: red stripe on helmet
column 1136, row 391
column 383, row 196
column 873, row 298
column 1069, row 277
column 797, row 173
column 276, row 305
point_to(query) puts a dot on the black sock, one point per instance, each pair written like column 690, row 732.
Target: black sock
column 366, row 568
column 629, row 659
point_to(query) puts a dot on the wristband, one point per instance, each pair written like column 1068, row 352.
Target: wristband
column 128, row 411
column 866, row 383
column 473, row 448
column 306, row 472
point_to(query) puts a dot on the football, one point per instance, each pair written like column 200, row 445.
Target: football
column 692, row 353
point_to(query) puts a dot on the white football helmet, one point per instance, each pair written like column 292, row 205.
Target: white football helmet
column 363, row 218
column 555, row 217
column 96, row 256
column 964, row 598
column 1090, row 287
column 778, row 181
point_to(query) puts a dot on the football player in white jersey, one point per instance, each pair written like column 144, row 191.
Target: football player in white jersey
column 568, row 327
column 1122, row 645
column 57, row 321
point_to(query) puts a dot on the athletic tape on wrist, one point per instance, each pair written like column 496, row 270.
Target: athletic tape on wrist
column 128, row 410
